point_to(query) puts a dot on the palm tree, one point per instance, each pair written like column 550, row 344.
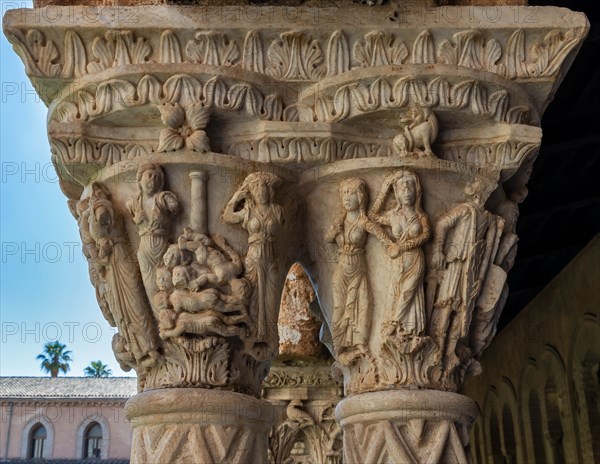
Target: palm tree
column 97, row 369
column 55, row 358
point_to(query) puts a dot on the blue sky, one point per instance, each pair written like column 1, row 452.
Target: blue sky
column 45, row 293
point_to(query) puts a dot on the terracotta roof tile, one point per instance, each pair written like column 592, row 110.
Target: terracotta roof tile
column 67, row 387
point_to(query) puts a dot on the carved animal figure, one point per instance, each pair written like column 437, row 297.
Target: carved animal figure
column 295, row 413
column 211, row 298
column 205, row 323
column 420, row 131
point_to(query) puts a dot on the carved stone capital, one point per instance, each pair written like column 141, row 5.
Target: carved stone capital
column 204, row 153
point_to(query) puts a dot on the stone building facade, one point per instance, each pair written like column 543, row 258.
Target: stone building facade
column 65, row 418
column 539, row 394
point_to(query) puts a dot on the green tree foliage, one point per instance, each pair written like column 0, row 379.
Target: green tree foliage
column 55, row 358
column 97, row 369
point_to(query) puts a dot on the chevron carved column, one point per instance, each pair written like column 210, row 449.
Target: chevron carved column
column 204, row 149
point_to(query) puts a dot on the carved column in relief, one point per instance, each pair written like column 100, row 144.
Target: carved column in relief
column 201, row 159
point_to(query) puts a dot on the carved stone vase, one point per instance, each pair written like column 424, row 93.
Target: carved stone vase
column 203, row 150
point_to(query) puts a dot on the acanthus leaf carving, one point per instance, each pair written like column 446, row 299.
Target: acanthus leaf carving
column 378, row 94
column 283, row 437
column 118, row 48
column 149, row 90
column 352, row 99
column 194, row 362
column 423, row 51
column 547, row 56
column 294, row 56
column 98, row 152
column 305, row 149
column 39, row 54
column 213, row 49
column 515, row 61
column 109, row 96
column 501, row 155
column 338, row 54
column 253, row 57
column 471, row 50
column 380, row 48
column 75, row 56
column 182, row 89
column 67, row 112
column 170, row 50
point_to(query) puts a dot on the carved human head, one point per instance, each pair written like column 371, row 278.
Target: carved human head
column 474, row 190
column 353, row 193
column 150, row 178
column 181, row 277
column 166, row 319
column 261, row 186
column 173, row 256
column 407, row 188
column 164, row 280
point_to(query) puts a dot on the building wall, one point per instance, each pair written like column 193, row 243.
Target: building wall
column 539, row 394
column 65, row 422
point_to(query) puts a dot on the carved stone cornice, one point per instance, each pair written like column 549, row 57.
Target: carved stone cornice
column 518, row 44
column 92, row 72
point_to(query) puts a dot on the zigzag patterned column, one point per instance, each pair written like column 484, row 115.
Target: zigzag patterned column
column 385, row 151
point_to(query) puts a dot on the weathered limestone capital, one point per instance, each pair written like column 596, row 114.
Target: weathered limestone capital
column 203, row 153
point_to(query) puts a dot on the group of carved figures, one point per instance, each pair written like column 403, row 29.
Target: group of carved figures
column 465, row 243
column 197, row 286
column 444, row 308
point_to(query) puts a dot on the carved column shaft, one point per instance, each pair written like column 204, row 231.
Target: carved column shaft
column 386, row 153
column 196, row 425
column 199, row 206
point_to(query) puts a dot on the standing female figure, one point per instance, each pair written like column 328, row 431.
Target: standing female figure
column 152, row 209
column 410, row 229
column 352, row 300
column 124, row 291
column 253, row 206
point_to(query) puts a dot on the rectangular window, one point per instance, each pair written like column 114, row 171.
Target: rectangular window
column 93, row 448
column 38, row 448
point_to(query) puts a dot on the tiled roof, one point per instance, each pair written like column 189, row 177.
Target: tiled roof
column 67, row 387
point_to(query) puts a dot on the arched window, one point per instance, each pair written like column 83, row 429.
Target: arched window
column 37, row 437
column 92, row 441
column 535, row 418
column 496, row 447
column 508, row 433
